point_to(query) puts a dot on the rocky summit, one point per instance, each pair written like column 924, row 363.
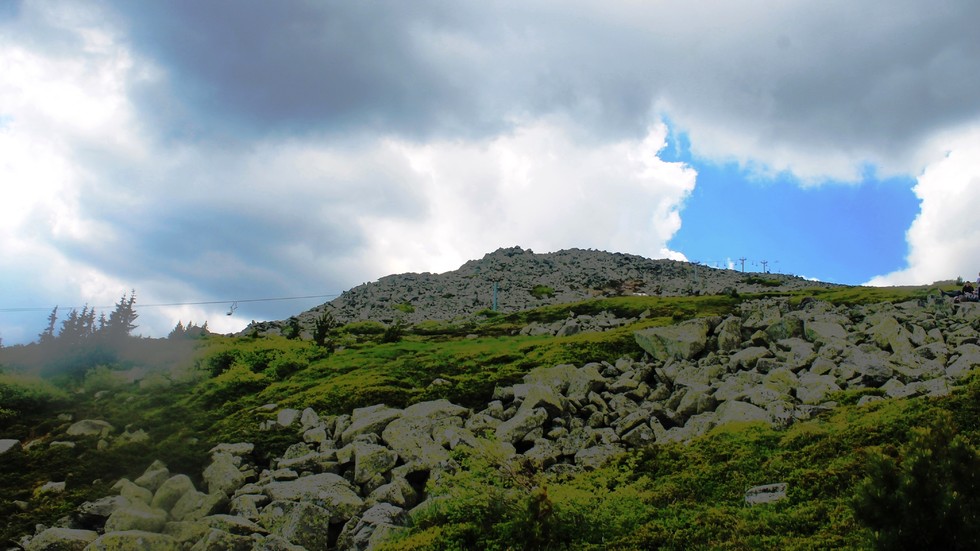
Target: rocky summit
column 516, row 279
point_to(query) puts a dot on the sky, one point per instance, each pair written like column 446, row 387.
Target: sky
column 208, row 153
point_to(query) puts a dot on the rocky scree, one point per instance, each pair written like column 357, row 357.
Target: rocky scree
column 352, row 480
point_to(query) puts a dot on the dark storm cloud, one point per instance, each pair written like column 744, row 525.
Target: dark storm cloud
column 871, row 78
column 299, row 66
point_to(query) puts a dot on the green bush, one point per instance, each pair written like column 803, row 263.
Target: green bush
column 20, row 394
column 927, row 496
column 236, row 382
column 364, row 328
column 405, row 307
column 542, row 291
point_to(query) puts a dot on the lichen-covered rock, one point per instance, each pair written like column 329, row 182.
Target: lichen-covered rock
column 372, row 420
column 62, row 539
column 824, row 331
column 301, row 523
column 371, row 460
column 599, row 456
column 132, row 491
column 517, row 428
column 575, row 383
column 136, row 516
column 327, row 490
column 90, row 427
column 741, row 412
column 366, row 532
column 219, row 540
column 729, row 334
column 969, row 359
column 171, row 491
column 683, row 341
column 286, row 417
column 223, row 474
column 8, row 445
column 154, row 475
column 194, row 505
column 131, row 540
column 813, row 389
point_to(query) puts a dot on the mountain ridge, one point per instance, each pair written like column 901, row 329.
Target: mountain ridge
column 513, row 279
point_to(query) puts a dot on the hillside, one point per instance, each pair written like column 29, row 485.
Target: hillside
column 823, row 417
column 524, row 280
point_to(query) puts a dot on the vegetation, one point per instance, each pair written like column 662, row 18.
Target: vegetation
column 542, row 291
column 914, row 459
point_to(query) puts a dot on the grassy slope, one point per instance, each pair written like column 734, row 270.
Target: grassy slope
column 682, row 493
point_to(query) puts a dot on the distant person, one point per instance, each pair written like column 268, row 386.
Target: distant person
column 969, row 294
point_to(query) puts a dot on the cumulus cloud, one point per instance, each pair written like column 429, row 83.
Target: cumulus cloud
column 538, row 187
column 944, row 239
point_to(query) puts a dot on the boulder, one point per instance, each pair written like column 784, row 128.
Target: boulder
column 540, row 396
column 374, row 526
column 822, row 330
column 969, row 359
column 219, row 540
column 8, row 445
column 223, row 475
column 92, row 515
column 517, row 428
column 371, row 420
column 599, row 456
column 129, row 540
column 91, row 428
column 273, row 542
column 762, row 313
column 136, row 516
column 796, row 353
column 683, row 341
column 50, row 488
column 300, row 523
column 748, row 357
column 574, row 383
column 327, row 490
column 729, row 334
column 195, row 505
column 873, row 368
column 132, row 492
column 371, row 460
column 154, row 475
column 238, row 449
column 61, row 539
column 314, row 462
column 309, row 419
column 742, row 412
column 813, row 389
column 171, row 491
column 889, row 335
column 286, row 417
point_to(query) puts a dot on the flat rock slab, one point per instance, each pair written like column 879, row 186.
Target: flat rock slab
column 8, row 445
column 767, row 493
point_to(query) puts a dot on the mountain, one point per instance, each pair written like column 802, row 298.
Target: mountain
column 517, row 279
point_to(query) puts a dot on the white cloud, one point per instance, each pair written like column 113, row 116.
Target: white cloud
column 944, row 239
column 537, row 187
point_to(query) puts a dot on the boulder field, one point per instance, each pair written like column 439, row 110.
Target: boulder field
column 351, row 480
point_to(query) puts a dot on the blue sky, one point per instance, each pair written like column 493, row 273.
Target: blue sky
column 207, row 152
column 734, row 213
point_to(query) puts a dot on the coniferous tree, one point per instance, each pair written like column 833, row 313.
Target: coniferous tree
column 121, row 319
column 48, row 335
